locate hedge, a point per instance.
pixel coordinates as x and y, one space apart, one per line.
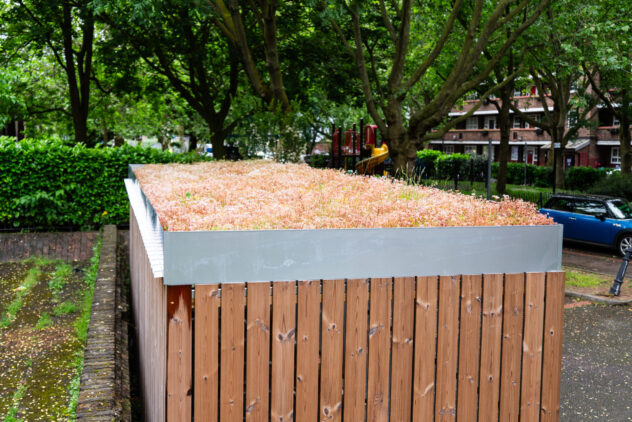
582 178
49 183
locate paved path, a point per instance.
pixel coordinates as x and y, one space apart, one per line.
597 364
589 260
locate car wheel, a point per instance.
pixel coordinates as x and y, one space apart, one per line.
625 243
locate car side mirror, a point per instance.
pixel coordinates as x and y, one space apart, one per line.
601 217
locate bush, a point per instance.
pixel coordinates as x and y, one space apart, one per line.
543 176
46 183
428 163
450 166
582 178
615 184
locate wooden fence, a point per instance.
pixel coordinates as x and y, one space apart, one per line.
473 347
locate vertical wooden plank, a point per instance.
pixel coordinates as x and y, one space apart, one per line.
283 334
231 387
425 349
552 351
402 348
307 349
379 349
511 348
447 347
332 335
489 384
356 349
532 347
206 367
257 351
469 347
179 353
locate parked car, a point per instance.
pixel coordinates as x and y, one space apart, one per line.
591 219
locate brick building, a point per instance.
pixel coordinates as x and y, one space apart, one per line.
594 146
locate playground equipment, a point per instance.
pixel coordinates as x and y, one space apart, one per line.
360 151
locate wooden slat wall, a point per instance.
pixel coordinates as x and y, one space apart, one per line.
366 349
149 301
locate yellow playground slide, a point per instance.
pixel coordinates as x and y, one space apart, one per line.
378 156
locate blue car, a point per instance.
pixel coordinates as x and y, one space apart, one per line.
597 220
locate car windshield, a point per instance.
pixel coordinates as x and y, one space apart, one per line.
620 208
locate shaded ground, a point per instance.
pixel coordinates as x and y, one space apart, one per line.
39 354
597 364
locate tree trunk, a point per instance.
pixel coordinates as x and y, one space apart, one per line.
217 141
504 126
624 143
193 142
402 149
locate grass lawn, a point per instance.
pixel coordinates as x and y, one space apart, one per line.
44 313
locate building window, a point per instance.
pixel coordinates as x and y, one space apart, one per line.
448 149
615 156
485 151
572 119
514 153
469 149
615 121
490 122
471 123
516 122
517 93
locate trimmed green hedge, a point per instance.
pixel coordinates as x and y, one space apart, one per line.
47 183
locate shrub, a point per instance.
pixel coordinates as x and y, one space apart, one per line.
543 176
427 162
582 178
615 184
450 166
47 182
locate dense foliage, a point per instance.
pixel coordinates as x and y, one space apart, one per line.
615 184
46 183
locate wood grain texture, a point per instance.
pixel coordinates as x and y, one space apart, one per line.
447 347
206 366
356 350
469 347
149 301
552 351
425 348
179 353
491 333
402 348
307 350
511 348
532 346
231 388
332 338
257 351
379 349
283 337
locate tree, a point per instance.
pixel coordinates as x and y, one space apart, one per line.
555 68
65 29
177 39
608 66
422 40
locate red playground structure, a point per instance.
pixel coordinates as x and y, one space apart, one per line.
358 151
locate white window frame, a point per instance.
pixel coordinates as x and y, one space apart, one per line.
515 124
469 149
489 120
471 123
448 149
615 121
615 155
517 93
485 150
514 153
